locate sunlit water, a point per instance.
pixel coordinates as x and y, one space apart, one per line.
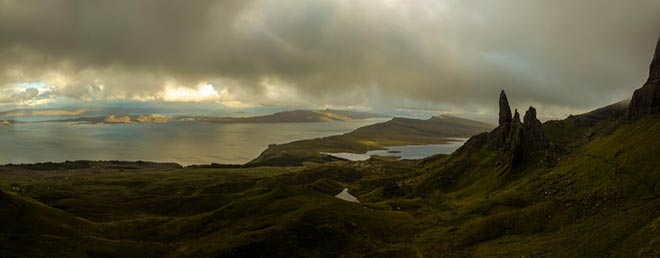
406 152
182 142
346 196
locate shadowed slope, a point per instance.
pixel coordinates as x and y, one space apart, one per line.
33 229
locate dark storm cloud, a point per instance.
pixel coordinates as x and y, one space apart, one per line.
562 55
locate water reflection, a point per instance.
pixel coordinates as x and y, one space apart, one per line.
182 142
406 152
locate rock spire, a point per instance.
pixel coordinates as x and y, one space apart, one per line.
518 140
514 140
516 116
505 109
533 136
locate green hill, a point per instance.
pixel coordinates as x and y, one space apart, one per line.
32 229
396 132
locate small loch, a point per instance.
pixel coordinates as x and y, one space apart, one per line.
405 152
346 196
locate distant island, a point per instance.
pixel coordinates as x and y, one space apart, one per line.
8 122
296 116
26 112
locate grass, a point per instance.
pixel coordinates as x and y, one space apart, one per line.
204 212
601 199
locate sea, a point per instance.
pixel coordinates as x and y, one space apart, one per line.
186 143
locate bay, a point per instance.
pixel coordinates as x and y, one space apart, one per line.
185 143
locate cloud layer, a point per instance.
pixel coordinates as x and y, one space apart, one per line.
442 54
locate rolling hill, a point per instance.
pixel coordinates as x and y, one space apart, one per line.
396 132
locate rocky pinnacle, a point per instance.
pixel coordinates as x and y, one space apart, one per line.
516 116
505 109
515 140
530 116
534 137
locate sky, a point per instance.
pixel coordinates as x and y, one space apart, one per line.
454 56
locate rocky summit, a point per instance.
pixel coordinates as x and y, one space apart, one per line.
646 100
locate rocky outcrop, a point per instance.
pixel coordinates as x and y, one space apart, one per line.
516 117
646 100
534 137
515 139
505 109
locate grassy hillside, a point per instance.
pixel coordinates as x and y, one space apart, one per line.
32 229
396 132
600 197
600 200
260 212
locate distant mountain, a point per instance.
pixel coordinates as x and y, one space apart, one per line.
42 112
396 132
8 122
120 119
354 114
296 116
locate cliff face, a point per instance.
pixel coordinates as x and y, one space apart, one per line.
646 100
